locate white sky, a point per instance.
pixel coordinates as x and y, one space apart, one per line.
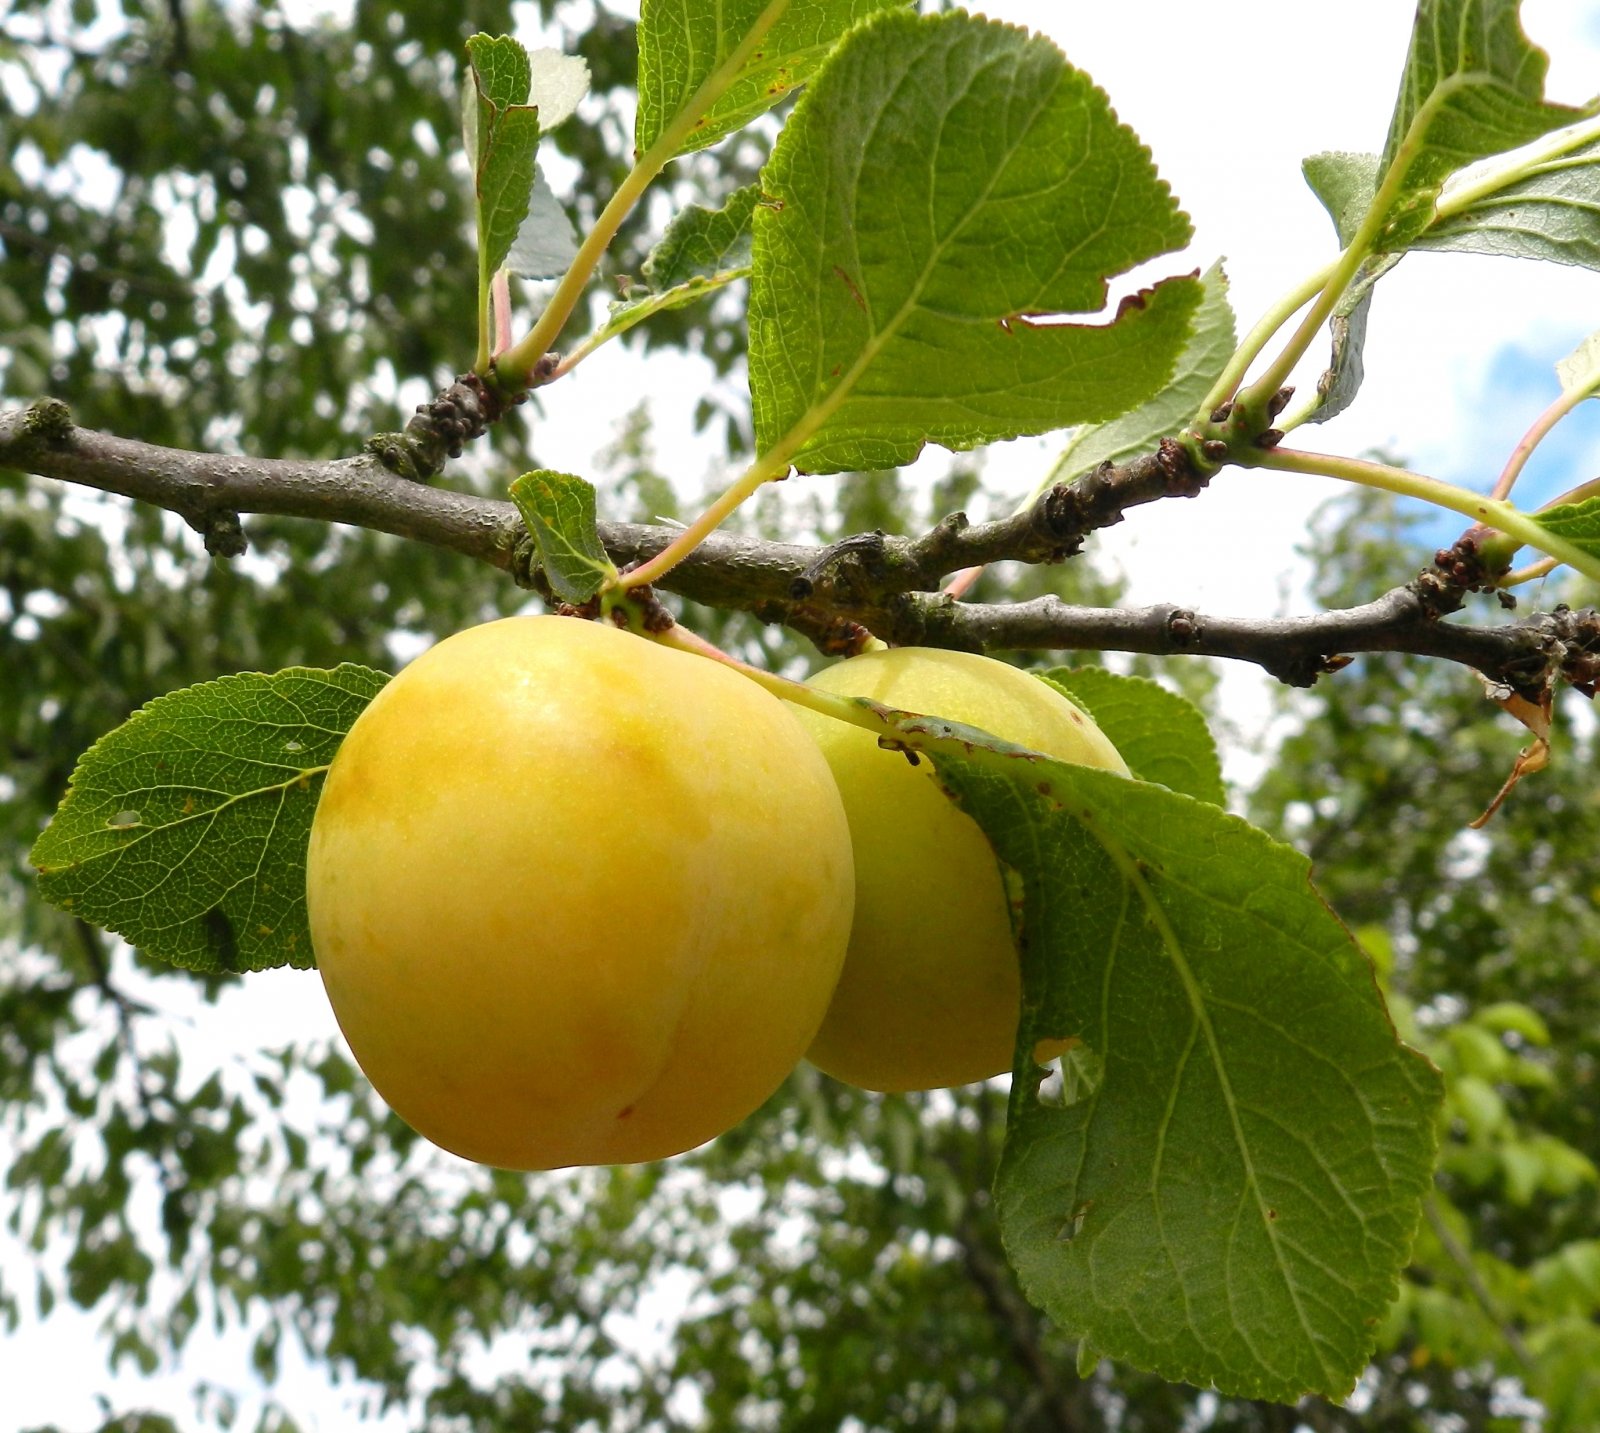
1298 78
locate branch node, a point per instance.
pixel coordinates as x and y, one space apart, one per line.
864 546
1458 570
222 533
1181 479
524 567
48 421
396 453
1183 627
441 428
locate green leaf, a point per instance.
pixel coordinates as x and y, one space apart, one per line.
1473 86
945 183
1340 381
1513 1015
1345 184
683 43
1161 735
1548 208
1234 1200
559 510
184 830
702 251
1577 523
1551 213
502 137
1199 366
703 243
545 245
501 73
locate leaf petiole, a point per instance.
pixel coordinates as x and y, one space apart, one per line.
515 366
1259 336
1491 512
1477 182
1538 431
1343 269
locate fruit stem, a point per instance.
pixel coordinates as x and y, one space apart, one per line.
845 709
894 728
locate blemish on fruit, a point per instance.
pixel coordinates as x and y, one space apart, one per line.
623 1113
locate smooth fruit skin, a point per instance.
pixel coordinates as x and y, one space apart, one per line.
576 898
931 990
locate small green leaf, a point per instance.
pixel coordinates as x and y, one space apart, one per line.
1199 365
1338 384
1161 735
1234 1200
559 510
501 72
502 138
1345 184
945 184
703 243
1473 86
682 43
703 250
185 829
505 184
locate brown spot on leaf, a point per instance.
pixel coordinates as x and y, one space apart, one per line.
850 284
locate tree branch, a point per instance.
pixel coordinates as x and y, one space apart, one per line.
888 585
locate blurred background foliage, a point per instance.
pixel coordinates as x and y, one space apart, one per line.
231 226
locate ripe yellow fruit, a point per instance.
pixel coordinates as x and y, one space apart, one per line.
931 991
576 898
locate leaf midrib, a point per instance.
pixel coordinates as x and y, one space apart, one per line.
818 414
1135 877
